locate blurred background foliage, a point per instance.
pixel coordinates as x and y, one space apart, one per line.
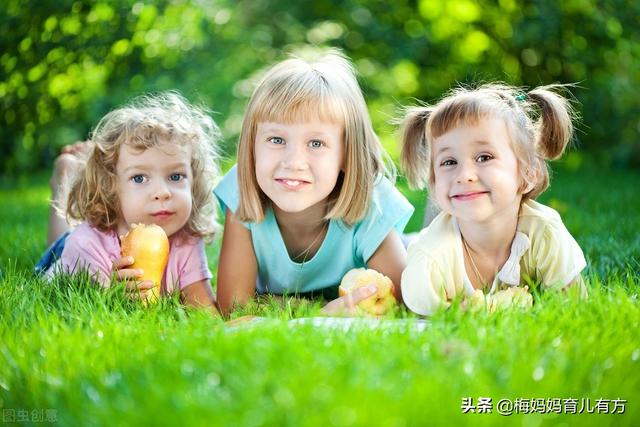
63 64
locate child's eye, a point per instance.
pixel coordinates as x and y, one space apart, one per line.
176 176
139 179
484 158
316 143
276 140
448 162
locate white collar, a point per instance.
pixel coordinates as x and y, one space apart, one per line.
510 272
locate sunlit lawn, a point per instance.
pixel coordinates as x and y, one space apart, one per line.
86 357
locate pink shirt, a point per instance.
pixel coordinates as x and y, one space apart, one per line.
90 248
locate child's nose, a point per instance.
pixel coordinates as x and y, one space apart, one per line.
161 191
466 173
294 158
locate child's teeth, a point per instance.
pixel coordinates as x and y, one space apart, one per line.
293 183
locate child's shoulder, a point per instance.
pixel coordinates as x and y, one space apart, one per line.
544 228
555 257
537 219
185 240
389 208
90 246
536 210
85 232
88 240
384 186
386 197
439 239
227 190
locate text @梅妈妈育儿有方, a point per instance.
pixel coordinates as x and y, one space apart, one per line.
506 407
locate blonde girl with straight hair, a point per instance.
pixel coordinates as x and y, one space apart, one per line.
152 161
310 197
483 153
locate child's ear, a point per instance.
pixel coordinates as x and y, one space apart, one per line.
526 186
528 179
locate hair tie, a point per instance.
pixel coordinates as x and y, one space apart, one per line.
521 97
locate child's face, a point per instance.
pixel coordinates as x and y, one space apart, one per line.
154 186
297 165
476 172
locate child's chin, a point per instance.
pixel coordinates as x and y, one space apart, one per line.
471 217
169 228
293 208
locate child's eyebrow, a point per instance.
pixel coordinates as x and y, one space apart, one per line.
476 142
271 127
166 166
442 150
177 165
482 142
135 168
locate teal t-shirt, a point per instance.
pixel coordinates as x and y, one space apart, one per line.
343 247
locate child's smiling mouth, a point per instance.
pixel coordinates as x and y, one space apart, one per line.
470 195
292 184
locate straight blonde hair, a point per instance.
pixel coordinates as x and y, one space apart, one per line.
147 121
297 91
539 124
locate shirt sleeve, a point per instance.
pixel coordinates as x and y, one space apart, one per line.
228 194
423 284
191 266
227 191
83 252
560 259
389 210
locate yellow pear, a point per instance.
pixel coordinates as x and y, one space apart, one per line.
149 247
378 303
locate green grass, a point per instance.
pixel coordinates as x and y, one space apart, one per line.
95 358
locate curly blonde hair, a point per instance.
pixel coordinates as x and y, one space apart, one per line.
297 90
147 121
539 124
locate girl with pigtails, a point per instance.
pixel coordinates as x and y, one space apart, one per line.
482 154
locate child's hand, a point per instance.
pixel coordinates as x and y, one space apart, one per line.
501 300
510 297
346 305
135 289
475 302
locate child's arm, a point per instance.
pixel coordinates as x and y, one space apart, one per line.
390 259
199 295
237 267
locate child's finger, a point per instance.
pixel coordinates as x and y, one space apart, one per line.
129 274
139 288
131 286
348 301
138 295
121 262
361 294
347 305
145 285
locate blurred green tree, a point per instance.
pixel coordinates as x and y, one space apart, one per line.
66 63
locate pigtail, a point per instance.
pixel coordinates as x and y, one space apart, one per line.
414 156
554 128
